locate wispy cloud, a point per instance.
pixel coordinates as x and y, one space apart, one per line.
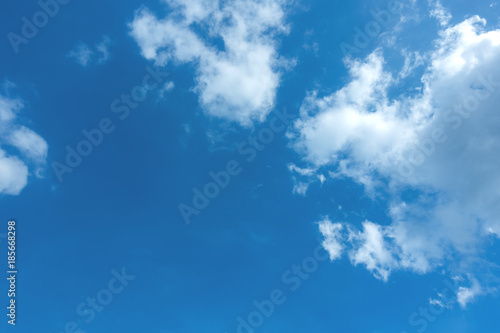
440 13
85 55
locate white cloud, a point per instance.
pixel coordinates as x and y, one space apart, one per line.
413 60
321 178
378 248
84 55
467 295
13 174
167 87
437 302
29 143
236 80
8 110
441 14
20 147
371 249
441 141
300 188
81 53
301 171
333 243
103 49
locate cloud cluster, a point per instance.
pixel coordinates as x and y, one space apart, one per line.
440 142
382 250
379 248
19 147
231 44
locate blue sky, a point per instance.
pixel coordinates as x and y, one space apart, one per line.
356 144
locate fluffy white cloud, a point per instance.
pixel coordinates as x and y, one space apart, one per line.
372 250
231 43
19 147
440 140
13 174
333 242
29 143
